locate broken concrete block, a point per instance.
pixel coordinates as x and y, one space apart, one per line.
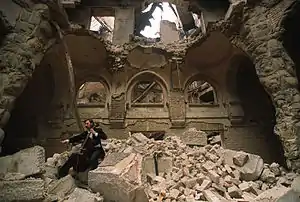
235 192
245 186
12 176
22 190
296 184
291 195
194 137
208 165
251 170
205 185
271 194
240 159
113 158
267 176
190 183
140 138
83 195
121 182
211 197
214 176
174 193
248 196
28 162
62 187
275 168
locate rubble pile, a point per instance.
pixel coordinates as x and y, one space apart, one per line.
208 173
141 170
24 176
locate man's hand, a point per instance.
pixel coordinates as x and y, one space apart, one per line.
65 141
93 131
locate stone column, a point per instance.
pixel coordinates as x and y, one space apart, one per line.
117 111
124 25
177 107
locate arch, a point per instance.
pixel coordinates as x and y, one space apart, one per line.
27 116
259 111
201 77
92 93
93 78
146 76
243 61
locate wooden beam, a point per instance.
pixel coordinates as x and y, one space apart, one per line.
206 91
146 91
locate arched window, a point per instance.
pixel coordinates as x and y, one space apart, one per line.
147 92
92 93
201 92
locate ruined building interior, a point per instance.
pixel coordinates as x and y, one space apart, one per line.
226 67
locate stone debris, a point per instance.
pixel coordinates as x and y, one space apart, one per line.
29 162
121 182
25 176
205 173
194 137
163 170
22 190
83 195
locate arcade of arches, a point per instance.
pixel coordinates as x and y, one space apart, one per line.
211 85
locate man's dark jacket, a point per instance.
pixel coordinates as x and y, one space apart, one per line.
91 144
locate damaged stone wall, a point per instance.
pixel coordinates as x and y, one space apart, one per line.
260 38
245 33
29 36
206 57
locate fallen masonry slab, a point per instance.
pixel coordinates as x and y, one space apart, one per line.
251 170
194 137
120 183
240 159
272 194
83 195
291 195
62 187
113 158
28 162
22 190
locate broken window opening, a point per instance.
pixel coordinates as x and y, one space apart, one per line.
92 93
104 26
149 22
149 92
201 92
209 12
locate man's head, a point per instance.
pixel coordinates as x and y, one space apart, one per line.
89 123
